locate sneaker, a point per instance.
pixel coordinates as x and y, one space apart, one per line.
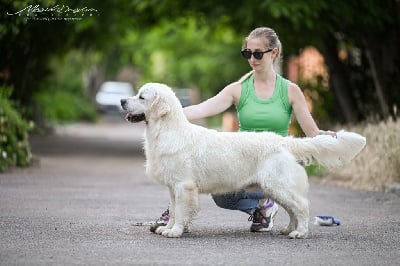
161 221
263 217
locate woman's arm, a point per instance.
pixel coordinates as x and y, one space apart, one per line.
303 116
216 104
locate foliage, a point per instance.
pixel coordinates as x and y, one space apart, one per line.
315 170
356 38
29 39
62 106
192 54
63 96
14 146
196 42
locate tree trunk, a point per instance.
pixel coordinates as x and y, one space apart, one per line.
339 81
377 84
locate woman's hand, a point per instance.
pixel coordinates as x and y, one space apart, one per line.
327 132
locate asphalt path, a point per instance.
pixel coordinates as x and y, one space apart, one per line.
87 201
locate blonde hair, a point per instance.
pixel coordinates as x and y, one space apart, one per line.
271 40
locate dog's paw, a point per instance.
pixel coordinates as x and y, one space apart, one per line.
297 234
160 229
173 232
286 231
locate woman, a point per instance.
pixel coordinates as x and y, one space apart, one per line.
264 101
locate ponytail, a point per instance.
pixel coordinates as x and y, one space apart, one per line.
246 76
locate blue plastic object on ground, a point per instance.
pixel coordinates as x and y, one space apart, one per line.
326 220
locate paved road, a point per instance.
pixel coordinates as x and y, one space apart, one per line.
81 205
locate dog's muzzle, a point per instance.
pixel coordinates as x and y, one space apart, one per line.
123 103
133 118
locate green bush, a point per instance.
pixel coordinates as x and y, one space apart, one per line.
14 145
62 96
59 106
315 170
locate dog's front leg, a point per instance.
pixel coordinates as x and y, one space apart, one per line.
186 205
171 220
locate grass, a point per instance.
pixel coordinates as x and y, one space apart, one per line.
378 164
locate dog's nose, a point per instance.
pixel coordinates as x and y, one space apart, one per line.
123 102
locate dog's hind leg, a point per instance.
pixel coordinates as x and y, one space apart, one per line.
292 223
301 216
186 205
298 210
288 187
293 200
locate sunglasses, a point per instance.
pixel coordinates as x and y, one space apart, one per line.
246 53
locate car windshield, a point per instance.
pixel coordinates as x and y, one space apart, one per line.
117 89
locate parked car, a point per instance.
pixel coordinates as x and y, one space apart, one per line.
110 93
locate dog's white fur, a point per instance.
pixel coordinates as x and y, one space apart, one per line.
190 159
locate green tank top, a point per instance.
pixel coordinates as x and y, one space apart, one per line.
258 114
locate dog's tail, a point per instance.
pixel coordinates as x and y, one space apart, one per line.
326 150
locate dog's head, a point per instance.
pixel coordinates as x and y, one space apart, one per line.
152 102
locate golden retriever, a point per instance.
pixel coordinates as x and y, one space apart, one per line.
190 159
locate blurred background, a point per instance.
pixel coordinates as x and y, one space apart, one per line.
64 61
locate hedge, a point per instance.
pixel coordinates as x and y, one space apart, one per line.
14 145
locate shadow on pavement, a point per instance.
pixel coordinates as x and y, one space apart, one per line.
106 138
73 146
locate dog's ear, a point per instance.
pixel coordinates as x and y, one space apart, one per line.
160 107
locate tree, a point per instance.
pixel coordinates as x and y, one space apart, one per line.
359 39
367 31
31 34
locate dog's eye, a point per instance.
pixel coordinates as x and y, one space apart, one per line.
141 97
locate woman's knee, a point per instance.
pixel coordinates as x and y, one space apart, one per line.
222 201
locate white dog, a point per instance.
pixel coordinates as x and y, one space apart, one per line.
190 159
